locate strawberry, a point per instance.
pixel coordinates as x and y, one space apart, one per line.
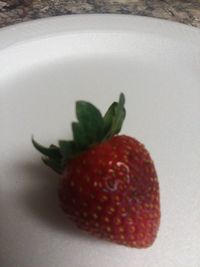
108 183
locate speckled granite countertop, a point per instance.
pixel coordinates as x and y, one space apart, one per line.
14 11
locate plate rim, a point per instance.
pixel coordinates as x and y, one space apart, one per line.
34 29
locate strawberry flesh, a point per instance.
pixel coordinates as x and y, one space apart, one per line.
111 190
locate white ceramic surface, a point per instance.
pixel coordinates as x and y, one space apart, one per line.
48 64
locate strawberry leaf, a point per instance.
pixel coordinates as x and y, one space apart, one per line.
120 114
114 118
91 121
52 152
108 118
53 157
55 165
79 135
68 149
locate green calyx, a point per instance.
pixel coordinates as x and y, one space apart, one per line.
91 128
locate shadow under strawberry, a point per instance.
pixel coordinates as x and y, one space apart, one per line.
41 202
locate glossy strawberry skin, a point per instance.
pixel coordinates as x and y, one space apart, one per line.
112 191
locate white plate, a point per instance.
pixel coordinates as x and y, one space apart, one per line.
48 64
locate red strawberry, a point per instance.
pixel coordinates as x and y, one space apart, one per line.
108 184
